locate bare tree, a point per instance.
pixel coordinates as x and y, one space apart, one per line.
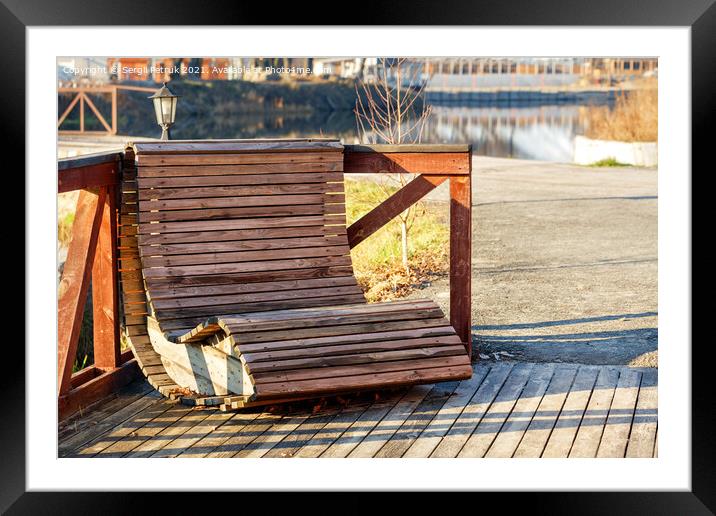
392 110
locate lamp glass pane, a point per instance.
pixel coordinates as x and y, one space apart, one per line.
167 109
174 109
158 109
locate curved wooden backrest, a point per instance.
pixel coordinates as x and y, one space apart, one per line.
230 227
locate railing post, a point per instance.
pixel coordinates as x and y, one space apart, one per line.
72 291
104 288
460 257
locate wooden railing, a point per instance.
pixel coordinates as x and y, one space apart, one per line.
432 166
91 259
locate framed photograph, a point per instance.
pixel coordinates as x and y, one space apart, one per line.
399 241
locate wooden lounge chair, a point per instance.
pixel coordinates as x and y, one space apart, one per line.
237 279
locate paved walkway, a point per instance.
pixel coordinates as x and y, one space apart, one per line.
507 409
564 265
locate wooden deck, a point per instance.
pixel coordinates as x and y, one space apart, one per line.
507 409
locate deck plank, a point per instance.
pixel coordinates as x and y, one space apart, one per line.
505 409
334 429
642 438
473 413
387 427
414 425
621 414
194 434
424 445
368 420
590 429
490 425
562 437
245 435
540 428
511 433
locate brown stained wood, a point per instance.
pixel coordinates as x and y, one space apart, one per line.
318 373
222 225
391 208
88 177
343 329
430 332
95 389
291 163
74 285
226 213
364 381
243 288
239 245
239 180
184 305
346 349
233 202
188 150
350 359
216 258
401 314
328 271
445 163
461 258
105 297
201 238
147 194
232 268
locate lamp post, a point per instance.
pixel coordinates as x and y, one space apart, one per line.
165 108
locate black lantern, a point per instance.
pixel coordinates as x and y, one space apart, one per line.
165 109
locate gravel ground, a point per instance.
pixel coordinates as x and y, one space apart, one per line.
564 264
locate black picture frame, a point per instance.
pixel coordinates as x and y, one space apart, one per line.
699 15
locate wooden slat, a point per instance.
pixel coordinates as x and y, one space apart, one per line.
473 412
642 437
501 408
364 381
347 349
621 415
586 442
254 236
562 436
446 416
350 359
295 164
147 194
512 431
238 180
441 163
242 288
386 428
186 149
330 432
216 258
88 177
414 425
233 213
338 330
320 373
231 202
234 268
223 225
74 285
540 428
391 208
436 331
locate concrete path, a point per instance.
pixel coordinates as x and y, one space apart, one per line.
564 262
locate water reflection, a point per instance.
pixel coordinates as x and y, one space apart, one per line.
539 132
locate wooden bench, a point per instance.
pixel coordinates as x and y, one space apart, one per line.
237 278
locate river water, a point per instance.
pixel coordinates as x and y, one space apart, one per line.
537 132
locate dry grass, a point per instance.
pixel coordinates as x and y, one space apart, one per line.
634 118
377 261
